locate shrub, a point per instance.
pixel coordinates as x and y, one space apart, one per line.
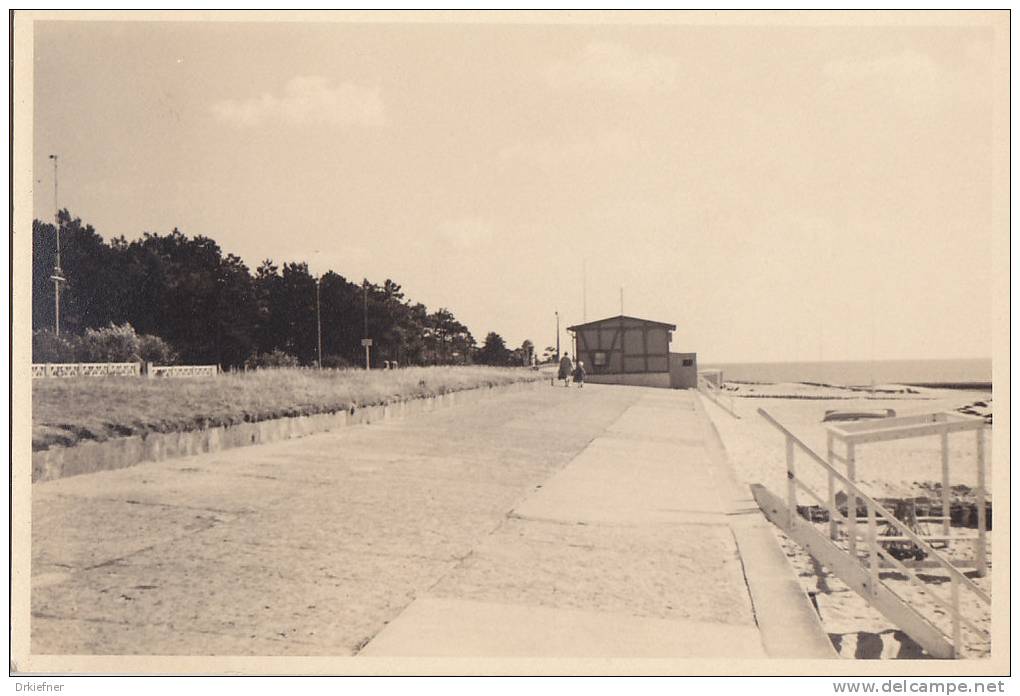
47 347
275 359
155 350
110 344
335 361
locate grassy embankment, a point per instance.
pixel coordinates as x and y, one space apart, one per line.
66 411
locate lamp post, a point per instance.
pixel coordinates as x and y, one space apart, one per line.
318 318
366 341
557 336
58 274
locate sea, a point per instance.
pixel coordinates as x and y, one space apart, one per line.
973 373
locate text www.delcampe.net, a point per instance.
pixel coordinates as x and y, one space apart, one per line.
909 686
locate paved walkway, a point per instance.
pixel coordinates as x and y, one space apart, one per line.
550 522
625 552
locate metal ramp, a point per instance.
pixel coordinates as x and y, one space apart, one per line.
858 559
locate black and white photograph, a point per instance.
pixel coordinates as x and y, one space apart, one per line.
510 342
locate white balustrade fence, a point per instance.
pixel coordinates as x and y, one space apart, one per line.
41 370
184 370
85 370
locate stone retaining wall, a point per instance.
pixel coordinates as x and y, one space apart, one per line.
90 456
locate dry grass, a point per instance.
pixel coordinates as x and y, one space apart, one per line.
66 411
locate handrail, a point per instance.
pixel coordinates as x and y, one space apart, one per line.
880 509
899 565
876 552
941 601
712 392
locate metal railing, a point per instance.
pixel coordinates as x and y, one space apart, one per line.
875 553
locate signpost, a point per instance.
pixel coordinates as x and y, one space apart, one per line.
367 342
557 335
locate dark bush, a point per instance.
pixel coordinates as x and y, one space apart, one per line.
276 358
335 361
110 344
155 350
47 347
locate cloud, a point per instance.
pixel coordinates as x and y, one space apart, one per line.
307 101
907 66
612 66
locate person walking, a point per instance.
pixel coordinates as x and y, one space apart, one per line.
579 374
566 367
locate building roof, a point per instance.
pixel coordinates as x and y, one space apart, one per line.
612 320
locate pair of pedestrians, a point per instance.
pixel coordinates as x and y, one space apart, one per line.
567 370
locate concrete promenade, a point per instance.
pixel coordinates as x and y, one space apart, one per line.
595 522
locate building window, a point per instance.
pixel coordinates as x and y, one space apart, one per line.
599 358
688 362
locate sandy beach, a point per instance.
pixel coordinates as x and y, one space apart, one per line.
899 469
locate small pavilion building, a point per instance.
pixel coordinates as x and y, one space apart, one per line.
629 350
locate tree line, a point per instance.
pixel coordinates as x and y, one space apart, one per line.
209 307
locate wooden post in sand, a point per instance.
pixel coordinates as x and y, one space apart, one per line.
946 503
851 501
791 482
955 602
979 500
833 510
873 548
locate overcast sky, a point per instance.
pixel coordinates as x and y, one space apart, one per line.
777 193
